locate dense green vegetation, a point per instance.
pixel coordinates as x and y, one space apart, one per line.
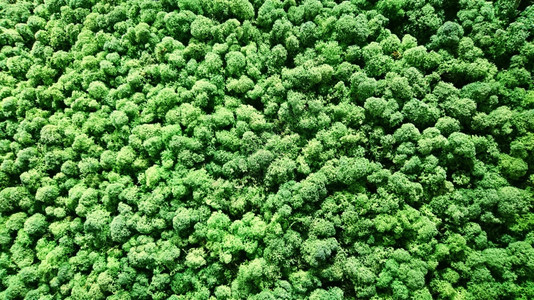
250 149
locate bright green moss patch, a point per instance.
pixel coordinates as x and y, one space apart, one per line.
250 149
